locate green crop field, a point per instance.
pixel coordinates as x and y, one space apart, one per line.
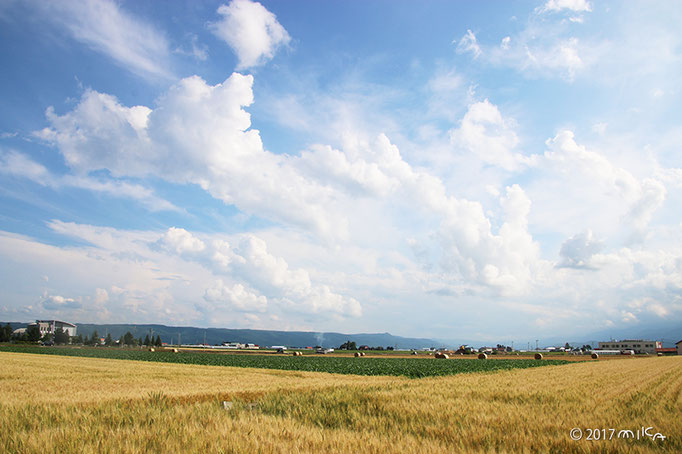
408 367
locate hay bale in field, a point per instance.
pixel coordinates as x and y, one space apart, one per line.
414 353
595 356
538 356
442 356
357 354
659 354
151 349
175 350
363 353
482 356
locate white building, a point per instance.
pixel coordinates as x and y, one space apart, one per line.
235 345
50 326
639 346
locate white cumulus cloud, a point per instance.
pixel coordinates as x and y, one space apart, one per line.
577 251
197 134
484 132
251 31
235 297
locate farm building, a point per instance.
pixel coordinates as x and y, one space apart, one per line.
679 347
50 326
639 346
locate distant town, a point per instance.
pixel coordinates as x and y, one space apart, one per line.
57 332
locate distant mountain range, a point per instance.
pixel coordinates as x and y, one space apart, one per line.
668 333
213 336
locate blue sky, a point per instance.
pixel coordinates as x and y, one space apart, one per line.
493 171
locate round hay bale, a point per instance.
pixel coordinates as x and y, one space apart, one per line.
595 356
414 353
482 356
442 356
151 349
175 350
357 354
538 356
659 354
363 353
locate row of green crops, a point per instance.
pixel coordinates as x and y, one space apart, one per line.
409 367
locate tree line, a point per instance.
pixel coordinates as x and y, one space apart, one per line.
61 337
351 345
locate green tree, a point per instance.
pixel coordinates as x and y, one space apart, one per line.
128 339
158 342
139 341
94 339
146 340
47 337
61 336
109 340
348 345
6 333
33 333
78 339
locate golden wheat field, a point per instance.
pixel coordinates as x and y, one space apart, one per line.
74 405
